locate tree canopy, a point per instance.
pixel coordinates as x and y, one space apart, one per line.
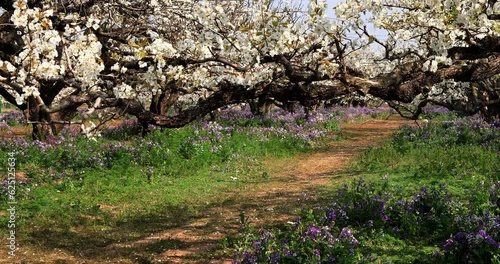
146 57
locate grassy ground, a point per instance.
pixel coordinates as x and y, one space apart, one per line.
84 208
84 199
176 194
428 196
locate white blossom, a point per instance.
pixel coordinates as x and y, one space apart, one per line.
195 46
124 91
30 91
142 64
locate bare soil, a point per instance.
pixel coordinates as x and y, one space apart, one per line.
293 183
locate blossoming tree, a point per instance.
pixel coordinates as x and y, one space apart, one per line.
144 57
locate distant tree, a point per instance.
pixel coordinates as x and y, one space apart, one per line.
60 60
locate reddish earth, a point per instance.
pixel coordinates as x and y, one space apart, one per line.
293 183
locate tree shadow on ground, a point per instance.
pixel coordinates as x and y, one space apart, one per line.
129 241
126 240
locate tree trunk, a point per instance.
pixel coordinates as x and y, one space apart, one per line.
43 123
162 102
310 107
260 106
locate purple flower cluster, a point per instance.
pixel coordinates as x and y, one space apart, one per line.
312 233
462 239
77 153
278 114
314 243
363 208
4 126
277 124
13 118
212 136
282 124
22 186
471 131
71 131
438 113
473 247
353 113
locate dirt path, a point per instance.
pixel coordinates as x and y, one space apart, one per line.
293 184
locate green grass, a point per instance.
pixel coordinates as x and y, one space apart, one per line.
423 163
467 169
458 166
425 188
172 176
83 195
178 180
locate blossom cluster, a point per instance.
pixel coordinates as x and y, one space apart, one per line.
196 47
444 23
